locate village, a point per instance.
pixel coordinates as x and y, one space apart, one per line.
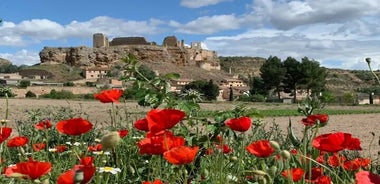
96 74
97 61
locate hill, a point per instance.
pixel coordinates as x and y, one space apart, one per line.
59 72
339 81
4 62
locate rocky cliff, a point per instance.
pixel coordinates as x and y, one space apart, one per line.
89 57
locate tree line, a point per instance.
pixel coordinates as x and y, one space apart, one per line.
289 76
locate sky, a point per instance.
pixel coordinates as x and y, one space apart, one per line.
338 33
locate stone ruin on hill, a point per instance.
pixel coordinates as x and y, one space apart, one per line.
105 53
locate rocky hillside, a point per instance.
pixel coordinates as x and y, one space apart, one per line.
158 58
338 81
4 62
91 57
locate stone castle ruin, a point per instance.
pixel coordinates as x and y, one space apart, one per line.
104 53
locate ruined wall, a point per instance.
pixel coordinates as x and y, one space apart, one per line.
128 41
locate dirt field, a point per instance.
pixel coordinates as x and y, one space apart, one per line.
359 125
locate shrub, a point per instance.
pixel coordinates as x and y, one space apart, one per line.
30 94
68 84
24 83
90 84
63 94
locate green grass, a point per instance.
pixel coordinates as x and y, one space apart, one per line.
294 112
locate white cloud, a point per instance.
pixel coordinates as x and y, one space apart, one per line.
208 25
293 13
200 3
38 30
336 33
22 57
321 45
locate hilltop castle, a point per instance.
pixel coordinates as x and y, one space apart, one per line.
104 53
194 54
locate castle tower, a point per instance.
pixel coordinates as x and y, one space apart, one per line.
196 46
99 40
170 41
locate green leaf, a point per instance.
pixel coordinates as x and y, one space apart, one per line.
294 140
172 76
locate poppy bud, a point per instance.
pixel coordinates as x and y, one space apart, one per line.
46 181
79 176
275 145
110 140
234 158
285 154
368 60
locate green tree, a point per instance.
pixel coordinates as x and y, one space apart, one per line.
293 76
257 86
9 68
314 76
208 89
272 73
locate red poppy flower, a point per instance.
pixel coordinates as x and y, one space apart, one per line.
5 132
336 160
316 172
356 164
293 151
159 120
17 141
334 142
322 180
157 144
38 146
86 166
44 124
122 133
261 148
60 148
209 151
181 155
365 177
97 147
296 174
157 181
225 148
312 119
241 124
109 96
141 124
75 126
31 169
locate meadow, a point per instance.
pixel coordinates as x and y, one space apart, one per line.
63 141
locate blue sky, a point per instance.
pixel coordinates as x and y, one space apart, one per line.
338 34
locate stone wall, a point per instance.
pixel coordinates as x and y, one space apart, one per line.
39 90
128 41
